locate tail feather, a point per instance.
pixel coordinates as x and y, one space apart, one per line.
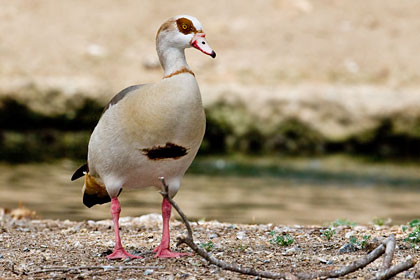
94 192
82 170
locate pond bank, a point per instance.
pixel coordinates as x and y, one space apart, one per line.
43 123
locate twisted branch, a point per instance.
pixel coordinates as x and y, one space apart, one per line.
394 270
387 247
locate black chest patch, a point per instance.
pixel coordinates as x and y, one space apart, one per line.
169 151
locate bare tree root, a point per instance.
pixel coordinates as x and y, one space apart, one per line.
394 270
389 252
189 240
387 247
358 264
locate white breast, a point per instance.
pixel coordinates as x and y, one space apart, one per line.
169 111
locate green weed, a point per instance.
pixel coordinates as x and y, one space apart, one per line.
281 239
343 222
379 221
413 231
242 248
360 243
328 233
209 246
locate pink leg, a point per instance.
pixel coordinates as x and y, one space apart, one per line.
119 252
163 251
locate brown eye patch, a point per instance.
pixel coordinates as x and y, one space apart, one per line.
185 26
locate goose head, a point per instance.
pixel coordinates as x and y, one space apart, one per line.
177 34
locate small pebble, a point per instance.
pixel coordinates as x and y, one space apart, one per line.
321 260
26 249
213 235
362 228
148 272
240 235
347 248
77 244
349 234
290 251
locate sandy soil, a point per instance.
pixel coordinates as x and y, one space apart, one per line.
261 42
29 247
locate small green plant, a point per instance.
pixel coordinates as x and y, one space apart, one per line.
209 246
343 222
328 233
360 243
414 234
242 248
414 223
379 221
365 240
281 239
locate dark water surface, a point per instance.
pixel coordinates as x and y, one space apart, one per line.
296 191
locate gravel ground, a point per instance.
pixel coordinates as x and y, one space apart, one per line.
29 246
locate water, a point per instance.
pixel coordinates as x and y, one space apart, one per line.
288 191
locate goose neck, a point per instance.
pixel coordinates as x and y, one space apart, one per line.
172 60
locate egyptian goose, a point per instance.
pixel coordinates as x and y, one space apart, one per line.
149 131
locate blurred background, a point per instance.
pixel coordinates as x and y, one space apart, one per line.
313 107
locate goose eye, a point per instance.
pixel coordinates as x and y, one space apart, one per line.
185 26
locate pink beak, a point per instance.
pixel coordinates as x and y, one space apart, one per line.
199 42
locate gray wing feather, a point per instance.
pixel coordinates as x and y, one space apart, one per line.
119 96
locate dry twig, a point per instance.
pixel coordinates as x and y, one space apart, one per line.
11 267
389 252
189 240
387 247
394 270
358 264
